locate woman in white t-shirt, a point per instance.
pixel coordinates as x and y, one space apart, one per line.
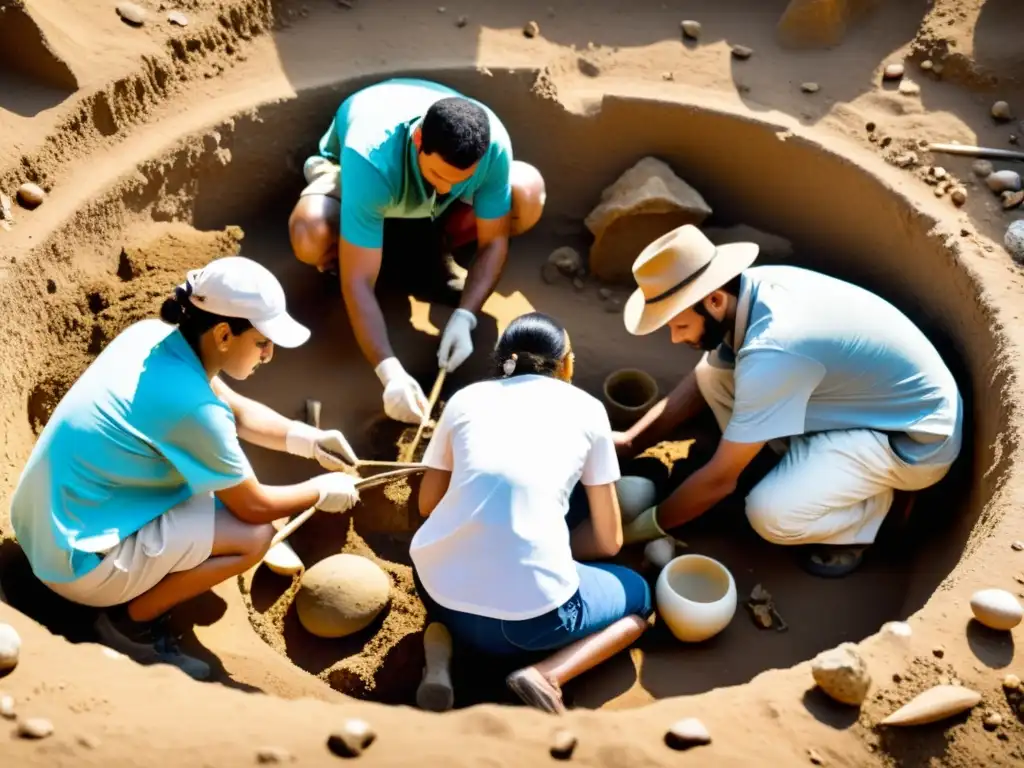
497 559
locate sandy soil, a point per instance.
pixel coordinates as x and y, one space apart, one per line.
163 146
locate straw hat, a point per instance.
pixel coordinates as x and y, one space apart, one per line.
676 271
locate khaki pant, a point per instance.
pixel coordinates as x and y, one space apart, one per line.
832 487
179 540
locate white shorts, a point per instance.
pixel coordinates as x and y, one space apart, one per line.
179 540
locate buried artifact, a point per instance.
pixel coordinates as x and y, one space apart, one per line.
341 595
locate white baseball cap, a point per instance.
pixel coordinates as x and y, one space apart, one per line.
235 286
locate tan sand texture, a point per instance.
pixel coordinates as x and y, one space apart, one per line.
162 146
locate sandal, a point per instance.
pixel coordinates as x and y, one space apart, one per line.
830 562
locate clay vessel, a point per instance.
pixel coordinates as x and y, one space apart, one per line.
935 704
696 597
628 394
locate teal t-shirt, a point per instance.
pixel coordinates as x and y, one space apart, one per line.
371 139
138 433
817 353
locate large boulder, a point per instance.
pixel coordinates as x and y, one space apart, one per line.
643 204
341 595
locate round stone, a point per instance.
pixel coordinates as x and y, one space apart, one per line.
893 71
1011 682
563 744
341 594
1003 181
10 647
132 13
30 195
35 728
996 608
686 733
842 673
352 738
1014 242
691 29
1001 111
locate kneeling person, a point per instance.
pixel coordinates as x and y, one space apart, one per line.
866 403
412 149
137 495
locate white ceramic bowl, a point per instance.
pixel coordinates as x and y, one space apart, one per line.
696 597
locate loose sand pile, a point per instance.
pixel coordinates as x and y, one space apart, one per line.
158 145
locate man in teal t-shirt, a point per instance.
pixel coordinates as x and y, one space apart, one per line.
412 149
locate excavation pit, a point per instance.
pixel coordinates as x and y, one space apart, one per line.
877 239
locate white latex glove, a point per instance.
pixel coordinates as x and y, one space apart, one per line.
403 397
457 340
309 442
338 492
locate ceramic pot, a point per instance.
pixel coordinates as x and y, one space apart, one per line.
696 597
628 394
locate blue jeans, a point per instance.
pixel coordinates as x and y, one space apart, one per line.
607 593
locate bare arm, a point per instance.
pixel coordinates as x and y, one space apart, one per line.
257 423
433 487
252 502
359 269
599 536
492 251
682 404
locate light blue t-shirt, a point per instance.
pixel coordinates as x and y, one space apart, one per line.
371 138
140 432
816 353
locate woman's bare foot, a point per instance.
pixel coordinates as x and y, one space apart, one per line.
536 690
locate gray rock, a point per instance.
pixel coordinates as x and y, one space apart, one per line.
691 29
10 647
1014 242
742 52
810 87
982 168
132 13
1001 111
567 261
1003 181
842 673
686 733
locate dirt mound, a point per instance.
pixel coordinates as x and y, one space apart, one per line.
25 49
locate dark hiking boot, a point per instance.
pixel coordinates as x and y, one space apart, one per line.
147 642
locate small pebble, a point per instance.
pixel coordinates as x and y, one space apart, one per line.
686 733
10 647
273 756
815 758
35 728
1013 138
178 18
927 65
938 172
605 293
668 76
532 29
982 168
1003 181
130 13
810 87
691 29
563 744
959 196
461 21
441 9
7 706
578 284
909 88
897 677
1014 242
938 652
906 159
88 741
30 195
1011 683
1012 199
742 52
893 71
1001 111
352 739
1017 546
993 721
870 127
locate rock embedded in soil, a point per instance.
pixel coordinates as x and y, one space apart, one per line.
843 674
645 202
959 196
937 703
815 758
996 609
273 756
982 168
1001 111
909 88
563 744
893 71
1003 181
30 195
992 721
341 595
35 728
131 13
742 52
532 29
1011 682
352 739
1017 546
10 647
686 733
691 29
567 261
178 18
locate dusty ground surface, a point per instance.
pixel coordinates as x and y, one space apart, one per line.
136 134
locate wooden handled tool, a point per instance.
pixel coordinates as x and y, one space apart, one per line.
410 451
366 482
973 151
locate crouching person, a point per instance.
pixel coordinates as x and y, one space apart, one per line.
137 495
498 561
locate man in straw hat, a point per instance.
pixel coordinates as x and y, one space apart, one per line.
860 395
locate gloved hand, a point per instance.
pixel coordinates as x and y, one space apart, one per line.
643 528
457 340
403 397
309 442
338 492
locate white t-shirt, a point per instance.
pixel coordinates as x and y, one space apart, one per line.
497 543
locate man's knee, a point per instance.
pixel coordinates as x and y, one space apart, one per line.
257 541
771 519
529 195
311 235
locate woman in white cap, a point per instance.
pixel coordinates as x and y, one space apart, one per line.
137 495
